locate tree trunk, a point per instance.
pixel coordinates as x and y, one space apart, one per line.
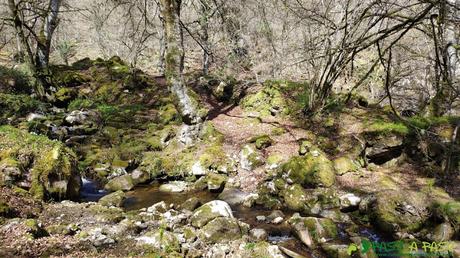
204 35
174 60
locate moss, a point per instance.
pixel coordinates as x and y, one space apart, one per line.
294 197
214 158
344 165
80 103
17 106
54 172
5 210
168 114
262 141
82 64
269 101
64 96
449 210
210 134
278 131
69 78
274 161
313 169
385 127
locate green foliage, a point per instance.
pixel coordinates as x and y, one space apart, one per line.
427 122
80 103
15 80
18 105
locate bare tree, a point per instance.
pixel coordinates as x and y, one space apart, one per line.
174 59
35 23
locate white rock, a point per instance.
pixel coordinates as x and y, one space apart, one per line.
349 200
198 170
174 187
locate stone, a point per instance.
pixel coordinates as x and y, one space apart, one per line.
324 229
99 238
400 211
314 169
261 218
221 229
159 207
113 199
277 220
190 204
174 187
209 211
124 183
344 165
349 200
258 234
249 158
336 250
216 182
233 196
160 240
198 170
140 176
443 232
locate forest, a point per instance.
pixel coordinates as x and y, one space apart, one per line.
245 128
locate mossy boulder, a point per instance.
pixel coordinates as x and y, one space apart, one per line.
216 182
15 106
250 158
344 165
400 211
319 230
47 168
69 78
221 230
262 141
267 102
113 199
295 197
168 114
5 209
210 211
314 169
124 183
161 240
64 96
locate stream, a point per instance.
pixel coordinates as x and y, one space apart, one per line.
280 234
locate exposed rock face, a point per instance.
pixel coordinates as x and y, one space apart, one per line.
46 168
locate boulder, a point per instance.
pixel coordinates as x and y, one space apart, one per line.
258 234
250 158
314 169
47 168
312 230
216 182
124 183
113 199
400 211
174 187
349 200
160 240
233 196
344 165
209 211
221 229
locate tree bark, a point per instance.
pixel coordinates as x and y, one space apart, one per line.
174 60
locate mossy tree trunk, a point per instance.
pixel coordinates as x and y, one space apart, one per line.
174 60
446 45
37 57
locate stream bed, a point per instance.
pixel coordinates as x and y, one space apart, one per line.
280 234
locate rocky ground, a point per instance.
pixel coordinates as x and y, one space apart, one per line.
261 179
